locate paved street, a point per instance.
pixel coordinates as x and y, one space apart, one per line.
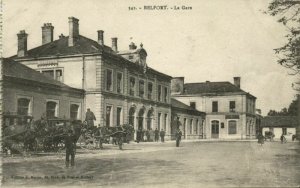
195 164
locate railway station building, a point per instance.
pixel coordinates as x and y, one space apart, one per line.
230 111
119 86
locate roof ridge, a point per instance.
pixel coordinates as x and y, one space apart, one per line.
33 72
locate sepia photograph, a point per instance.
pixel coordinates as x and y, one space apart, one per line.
158 94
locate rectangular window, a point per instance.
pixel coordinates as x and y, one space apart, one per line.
54 74
58 75
231 127
132 86
141 88
119 82
193 105
165 122
166 94
196 126
150 89
48 73
119 116
109 80
74 111
159 93
215 106
23 106
191 126
231 106
158 121
108 116
284 131
51 109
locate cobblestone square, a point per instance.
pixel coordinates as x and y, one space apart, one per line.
194 164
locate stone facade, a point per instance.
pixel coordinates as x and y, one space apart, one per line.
229 115
190 121
118 89
29 93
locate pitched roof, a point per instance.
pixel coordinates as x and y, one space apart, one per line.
279 121
212 88
83 45
60 47
177 104
17 70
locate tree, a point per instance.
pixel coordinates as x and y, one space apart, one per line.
288 13
292 110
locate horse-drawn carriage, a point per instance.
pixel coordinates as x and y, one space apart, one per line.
21 134
94 137
269 135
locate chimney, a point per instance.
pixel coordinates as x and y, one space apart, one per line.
237 81
47 33
73 31
22 43
61 36
177 85
132 46
114 45
258 111
100 37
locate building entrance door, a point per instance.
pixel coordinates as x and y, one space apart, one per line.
140 124
215 129
141 118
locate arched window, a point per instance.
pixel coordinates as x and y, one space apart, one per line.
74 111
51 109
23 106
149 119
232 127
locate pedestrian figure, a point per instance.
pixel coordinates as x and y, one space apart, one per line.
293 137
70 144
156 134
151 132
144 135
138 135
148 135
162 135
89 118
261 139
178 135
282 139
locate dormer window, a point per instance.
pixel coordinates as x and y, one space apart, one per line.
130 57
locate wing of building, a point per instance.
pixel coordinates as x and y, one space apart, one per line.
29 94
280 125
188 119
230 111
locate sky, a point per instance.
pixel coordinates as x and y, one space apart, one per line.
215 41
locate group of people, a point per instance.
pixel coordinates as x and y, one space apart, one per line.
261 139
142 135
150 135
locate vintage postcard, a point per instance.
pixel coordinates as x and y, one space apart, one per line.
159 93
